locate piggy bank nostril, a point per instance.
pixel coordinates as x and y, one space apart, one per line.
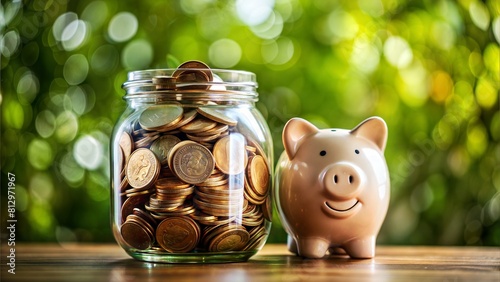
335 178
350 179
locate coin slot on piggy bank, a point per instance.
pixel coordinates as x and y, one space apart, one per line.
332 187
191 166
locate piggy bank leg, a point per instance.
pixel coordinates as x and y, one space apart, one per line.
292 245
312 247
361 248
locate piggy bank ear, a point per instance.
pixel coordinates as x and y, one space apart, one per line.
294 133
373 129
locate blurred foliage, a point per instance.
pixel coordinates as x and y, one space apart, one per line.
429 68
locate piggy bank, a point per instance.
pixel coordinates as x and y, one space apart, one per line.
332 188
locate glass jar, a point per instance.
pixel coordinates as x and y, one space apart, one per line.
191 166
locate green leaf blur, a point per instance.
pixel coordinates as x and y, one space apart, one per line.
431 69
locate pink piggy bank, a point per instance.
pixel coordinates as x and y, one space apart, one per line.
333 188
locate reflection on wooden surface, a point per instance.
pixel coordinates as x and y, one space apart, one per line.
82 262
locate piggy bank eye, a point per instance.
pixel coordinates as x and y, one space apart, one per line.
356 151
322 153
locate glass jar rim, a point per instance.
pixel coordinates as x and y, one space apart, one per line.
223 84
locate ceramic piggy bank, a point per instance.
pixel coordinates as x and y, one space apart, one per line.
332 187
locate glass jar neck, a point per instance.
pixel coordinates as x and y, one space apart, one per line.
225 87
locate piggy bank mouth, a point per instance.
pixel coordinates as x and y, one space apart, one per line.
342 208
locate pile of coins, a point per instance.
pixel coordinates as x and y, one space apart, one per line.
191 180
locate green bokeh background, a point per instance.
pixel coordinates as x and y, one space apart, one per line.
431 69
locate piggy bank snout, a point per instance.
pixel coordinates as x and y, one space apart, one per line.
343 181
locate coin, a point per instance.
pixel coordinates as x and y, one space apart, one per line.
217 130
230 240
126 144
131 203
157 116
135 235
178 234
186 118
193 73
162 146
146 216
230 154
143 168
192 162
267 209
198 125
164 82
216 115
258 174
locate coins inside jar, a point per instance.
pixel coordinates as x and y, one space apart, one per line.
192 180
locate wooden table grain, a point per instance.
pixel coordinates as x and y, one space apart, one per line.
108 262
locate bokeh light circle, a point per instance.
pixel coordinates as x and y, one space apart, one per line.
122 27
224 53
138 54
88 152
40 154
76 69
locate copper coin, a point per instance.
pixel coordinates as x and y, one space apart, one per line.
143 168
164 82
216 115
162 146
131 203
192 162
186 118
267 209
135 235
171 183
230 240
198 125
157 116
258 174
194 72
230 154
178 234
126 144
217 130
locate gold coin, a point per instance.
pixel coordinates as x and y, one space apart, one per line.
258 175
126 145
198 125
216 115
143 168
230 155
162 146
192 162
157 116
178 234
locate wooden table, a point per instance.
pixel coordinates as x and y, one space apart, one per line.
85 262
